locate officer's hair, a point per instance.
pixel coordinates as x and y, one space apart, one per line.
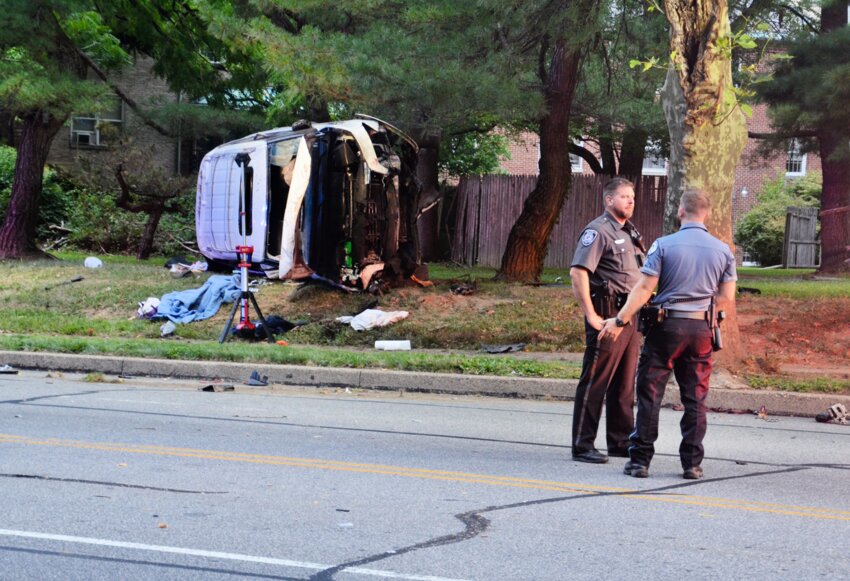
610 188
695 203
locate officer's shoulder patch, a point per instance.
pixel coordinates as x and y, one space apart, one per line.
589 237
652 248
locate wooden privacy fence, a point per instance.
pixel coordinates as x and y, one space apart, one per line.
801 248
488 206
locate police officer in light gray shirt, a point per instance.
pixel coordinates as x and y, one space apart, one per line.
692 269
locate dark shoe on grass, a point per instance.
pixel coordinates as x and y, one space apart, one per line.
636 470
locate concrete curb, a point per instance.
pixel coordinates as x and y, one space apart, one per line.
776 402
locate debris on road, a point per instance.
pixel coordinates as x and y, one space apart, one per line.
257 380
216 388
8 370
836 413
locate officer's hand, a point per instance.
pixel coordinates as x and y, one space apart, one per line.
609 331
595 321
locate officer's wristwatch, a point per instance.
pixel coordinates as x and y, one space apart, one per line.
620 322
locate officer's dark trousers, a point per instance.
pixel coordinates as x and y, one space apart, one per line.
684 347
607 374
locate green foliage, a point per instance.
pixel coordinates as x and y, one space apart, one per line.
54 199
761 231
798 104
473 154
97 225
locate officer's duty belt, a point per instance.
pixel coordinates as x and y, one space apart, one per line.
697 315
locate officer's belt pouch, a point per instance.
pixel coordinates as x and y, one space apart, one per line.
648 317
602 304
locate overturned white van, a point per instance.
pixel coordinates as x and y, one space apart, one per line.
336 200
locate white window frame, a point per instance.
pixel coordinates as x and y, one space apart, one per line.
93 137
577 167
648 153
655 170
794 148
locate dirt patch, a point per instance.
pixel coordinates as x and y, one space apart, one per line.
799 338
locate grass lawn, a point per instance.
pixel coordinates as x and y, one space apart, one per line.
44 311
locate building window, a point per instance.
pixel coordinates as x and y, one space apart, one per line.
653 162
795 163
654 166
96 129
576 162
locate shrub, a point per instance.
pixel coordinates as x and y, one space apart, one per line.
762 230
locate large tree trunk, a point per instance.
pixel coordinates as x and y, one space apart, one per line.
835 205
427 172
632 152
528 241
38 128
707 128
835 165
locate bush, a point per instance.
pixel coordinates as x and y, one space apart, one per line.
83 218
762 230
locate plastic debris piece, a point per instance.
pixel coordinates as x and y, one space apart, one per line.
92 262
8 370
371 318
393 345
257 380
148 308
167 329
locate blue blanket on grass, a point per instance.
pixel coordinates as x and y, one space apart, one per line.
199 303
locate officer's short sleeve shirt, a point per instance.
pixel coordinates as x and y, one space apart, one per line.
690 265
606 250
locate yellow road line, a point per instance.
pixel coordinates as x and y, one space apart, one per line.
492 480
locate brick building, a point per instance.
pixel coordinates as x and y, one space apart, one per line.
754 169
88 134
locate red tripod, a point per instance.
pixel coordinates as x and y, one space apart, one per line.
245 328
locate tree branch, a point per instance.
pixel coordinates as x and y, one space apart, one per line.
587 156
790 135
124 198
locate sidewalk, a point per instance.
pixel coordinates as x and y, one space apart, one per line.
727 392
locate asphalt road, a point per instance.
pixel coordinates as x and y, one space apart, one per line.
157 480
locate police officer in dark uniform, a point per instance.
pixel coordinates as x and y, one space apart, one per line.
605 267
695 274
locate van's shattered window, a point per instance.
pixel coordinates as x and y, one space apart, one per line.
281 152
